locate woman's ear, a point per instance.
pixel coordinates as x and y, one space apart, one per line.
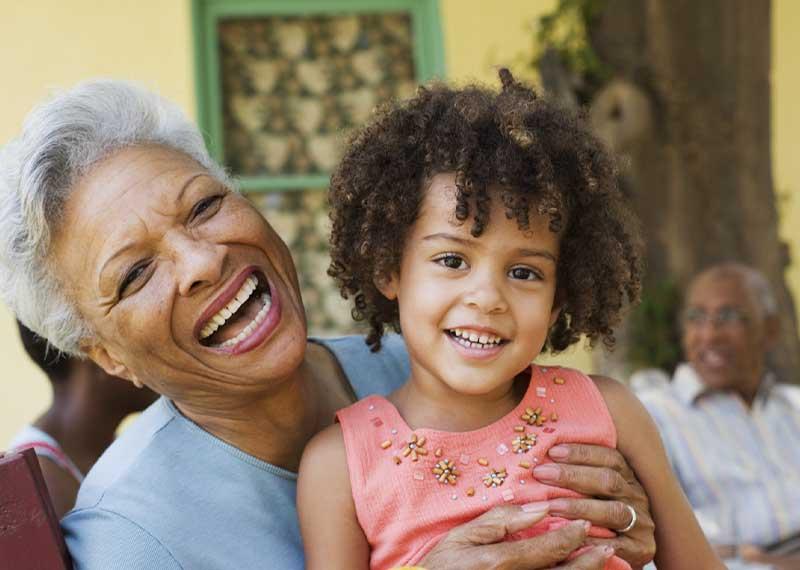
388 286
105 360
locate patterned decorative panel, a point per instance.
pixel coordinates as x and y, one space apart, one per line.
280 83
292 85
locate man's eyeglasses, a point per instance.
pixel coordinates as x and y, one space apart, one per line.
724 317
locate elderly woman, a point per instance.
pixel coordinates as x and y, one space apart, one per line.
122 240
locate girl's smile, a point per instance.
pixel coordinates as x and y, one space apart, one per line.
476 342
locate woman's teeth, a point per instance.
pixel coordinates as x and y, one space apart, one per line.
244 293
471 339
257 320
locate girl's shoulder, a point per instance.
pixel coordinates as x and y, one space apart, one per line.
324 449
615 393
636 430
576 383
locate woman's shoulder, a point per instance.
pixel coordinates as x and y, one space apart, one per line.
369 372
167 481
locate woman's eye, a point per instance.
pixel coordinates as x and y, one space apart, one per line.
523 273
451 261
206 207
131 277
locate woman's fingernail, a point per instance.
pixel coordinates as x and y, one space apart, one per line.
558 452
608 551
559 506
546 472
540 507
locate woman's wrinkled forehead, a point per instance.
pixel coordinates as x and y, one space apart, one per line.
149 173
118 202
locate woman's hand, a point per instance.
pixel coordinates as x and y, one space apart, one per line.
479 544
779 562
602 473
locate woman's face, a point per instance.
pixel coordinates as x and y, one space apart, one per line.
185 284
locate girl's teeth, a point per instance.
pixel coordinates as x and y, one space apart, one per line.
474 340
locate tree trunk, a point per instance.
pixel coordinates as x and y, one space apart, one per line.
689 112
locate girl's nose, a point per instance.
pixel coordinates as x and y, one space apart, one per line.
486 295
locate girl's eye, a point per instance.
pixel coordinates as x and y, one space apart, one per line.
206 207
131 277
451 261
523 273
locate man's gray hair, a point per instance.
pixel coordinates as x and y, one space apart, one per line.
60 141
752 278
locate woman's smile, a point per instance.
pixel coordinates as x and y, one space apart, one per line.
242 316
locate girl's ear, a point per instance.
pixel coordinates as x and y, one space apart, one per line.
558 304
388 286
554 312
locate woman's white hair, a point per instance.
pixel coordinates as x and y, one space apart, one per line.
60 141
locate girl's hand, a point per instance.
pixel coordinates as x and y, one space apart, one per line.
479 544
604 474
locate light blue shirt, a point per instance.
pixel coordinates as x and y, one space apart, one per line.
739 467
169 495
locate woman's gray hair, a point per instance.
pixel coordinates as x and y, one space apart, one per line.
60 141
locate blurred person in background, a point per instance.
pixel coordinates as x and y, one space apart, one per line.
730 427
87 407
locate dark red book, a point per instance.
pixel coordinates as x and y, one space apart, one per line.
30 537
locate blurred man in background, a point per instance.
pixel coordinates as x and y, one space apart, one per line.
731 429
88 406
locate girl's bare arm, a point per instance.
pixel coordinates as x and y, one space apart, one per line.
332 536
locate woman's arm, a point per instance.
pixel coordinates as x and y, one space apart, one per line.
680 541
332 537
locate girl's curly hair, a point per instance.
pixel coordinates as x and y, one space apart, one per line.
544 157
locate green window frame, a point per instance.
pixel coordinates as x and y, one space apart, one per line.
428 55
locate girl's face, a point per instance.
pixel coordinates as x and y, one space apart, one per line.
474 311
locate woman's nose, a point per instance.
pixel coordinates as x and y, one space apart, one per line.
197 262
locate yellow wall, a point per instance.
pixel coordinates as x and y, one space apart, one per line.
786 129
54 43
49 44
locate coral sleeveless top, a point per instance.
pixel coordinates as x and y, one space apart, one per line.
411 487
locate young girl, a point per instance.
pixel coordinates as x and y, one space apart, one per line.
486 227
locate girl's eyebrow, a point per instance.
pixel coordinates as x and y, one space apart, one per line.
522 252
